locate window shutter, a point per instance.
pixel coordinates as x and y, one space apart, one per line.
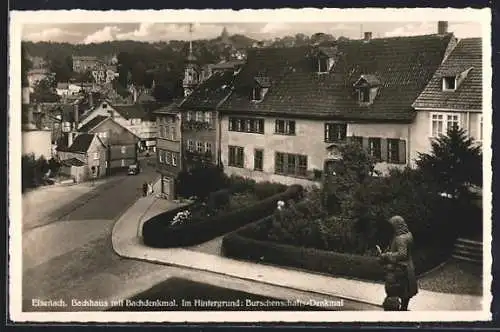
402 151
383 149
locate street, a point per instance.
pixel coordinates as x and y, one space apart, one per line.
72 257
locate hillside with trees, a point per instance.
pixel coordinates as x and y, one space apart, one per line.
141 63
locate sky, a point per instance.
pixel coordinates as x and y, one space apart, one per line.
85 33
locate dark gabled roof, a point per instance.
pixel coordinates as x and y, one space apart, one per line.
92 123
211 92
227 65
469 94
172 108
404 65
142 111
81 143
73 162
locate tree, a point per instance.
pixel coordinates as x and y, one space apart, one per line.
352 170
44 91
454 163
63 68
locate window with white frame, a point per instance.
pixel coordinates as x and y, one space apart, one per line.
123 162
442 122
189 116
190 145
174 159
173 133
199 116
96 155
168 157
208 147
208 117
199 146
160 156
124 149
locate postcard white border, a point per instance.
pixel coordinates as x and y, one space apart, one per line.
17 19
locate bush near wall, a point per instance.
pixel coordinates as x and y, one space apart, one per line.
157 231
242 245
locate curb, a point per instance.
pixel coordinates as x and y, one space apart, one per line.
122 254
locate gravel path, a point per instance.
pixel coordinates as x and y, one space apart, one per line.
455 277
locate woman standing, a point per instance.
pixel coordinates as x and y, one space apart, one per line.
400 253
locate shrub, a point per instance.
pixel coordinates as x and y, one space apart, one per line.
266 189
157 232
200 181
33 171
219 199
241 184
243 245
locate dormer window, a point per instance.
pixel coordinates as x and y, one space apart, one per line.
259 93
449 83
364 95
260 89
325 64
452 79
366 89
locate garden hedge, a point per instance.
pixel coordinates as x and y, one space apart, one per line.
158 233
241 245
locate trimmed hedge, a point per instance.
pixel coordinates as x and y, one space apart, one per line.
240 245
157 231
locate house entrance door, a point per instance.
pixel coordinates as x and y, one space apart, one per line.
166 187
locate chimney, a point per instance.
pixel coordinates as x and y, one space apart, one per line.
70 138
26 95
135 95
368 36
76 115
91 99
442 27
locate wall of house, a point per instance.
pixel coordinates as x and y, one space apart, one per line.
200 135
122 158
383 131
37 142
115 133
95 150
421 130
166 144
79 174
309 140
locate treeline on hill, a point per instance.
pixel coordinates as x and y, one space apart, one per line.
141 63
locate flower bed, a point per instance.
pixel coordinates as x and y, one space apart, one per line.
162 231
243 245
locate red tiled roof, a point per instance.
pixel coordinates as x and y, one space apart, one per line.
469 94
403 65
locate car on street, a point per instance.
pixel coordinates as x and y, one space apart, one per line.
134 169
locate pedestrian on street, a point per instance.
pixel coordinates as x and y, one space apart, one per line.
145 189
400 271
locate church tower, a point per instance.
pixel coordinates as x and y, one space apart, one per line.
191 78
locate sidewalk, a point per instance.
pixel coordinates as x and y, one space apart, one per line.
127 243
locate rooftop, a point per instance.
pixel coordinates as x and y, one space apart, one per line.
402 66
211 92
467 55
